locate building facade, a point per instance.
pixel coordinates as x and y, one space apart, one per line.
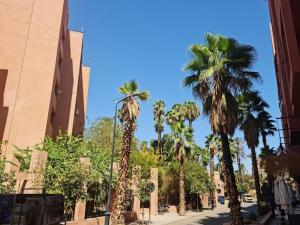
285 30
43 84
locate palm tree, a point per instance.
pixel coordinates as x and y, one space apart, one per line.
129 112
212 144
266 127
237 151
159 118
251 104
220 71
192 112
182 138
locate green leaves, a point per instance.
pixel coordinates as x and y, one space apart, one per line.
197 180
7 180
130 108
64 173
219 71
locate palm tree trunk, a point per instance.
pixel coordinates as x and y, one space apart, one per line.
212 173
234 204
119 208
181 188
240 175
159 141
264 139
190 124
238 159
255 174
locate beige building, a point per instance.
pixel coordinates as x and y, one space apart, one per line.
43 84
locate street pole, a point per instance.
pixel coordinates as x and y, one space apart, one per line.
149 205
107 213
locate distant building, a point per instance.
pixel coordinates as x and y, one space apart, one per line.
43 84
285 29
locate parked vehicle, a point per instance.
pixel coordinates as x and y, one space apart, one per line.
163 208
221 200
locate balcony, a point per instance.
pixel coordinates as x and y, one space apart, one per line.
290 134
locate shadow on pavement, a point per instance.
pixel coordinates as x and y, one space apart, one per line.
221 218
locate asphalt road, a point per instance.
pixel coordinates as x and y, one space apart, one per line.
215 217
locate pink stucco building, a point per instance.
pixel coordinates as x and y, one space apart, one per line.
43 84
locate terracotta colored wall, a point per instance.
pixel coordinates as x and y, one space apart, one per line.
285 28
86 71
76 49
79 115
41 71
34 26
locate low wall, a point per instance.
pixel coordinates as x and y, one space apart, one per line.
129 217
90 221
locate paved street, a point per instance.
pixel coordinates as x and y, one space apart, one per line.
218 216
214 217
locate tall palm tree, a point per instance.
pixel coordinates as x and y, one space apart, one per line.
266 127
220 71
212 144
192 112
237 150
251 104
129 112
182 136
159 118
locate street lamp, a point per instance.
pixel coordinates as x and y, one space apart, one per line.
107 212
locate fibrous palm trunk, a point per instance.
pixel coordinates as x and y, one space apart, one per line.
212 172
240 175
234 204
270 177
264 139
159 142
190 124
255 174
119 207
181 188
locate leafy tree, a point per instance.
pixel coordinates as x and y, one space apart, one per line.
182 139
192 112
220 71
144 194
251 103
64 173
197 179
100 134
145 159
98 177
159 118
128 114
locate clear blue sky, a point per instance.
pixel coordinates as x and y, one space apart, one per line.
147 40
